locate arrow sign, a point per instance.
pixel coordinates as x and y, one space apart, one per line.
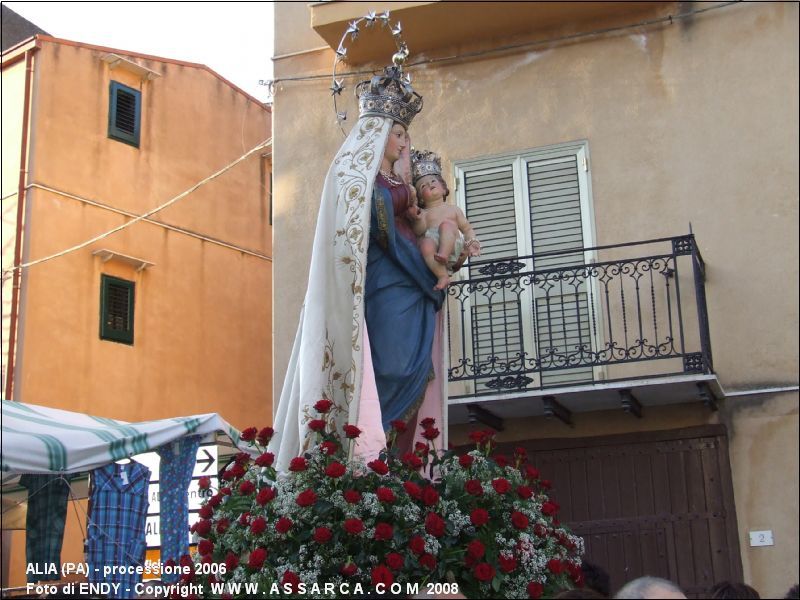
207 461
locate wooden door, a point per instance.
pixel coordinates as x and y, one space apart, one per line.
657 503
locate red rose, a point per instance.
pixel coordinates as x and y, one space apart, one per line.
395 561
535 590
306 498
545 483
291 580
266 459
417 544
427 422
204 483
215 500
519 520
428 561
476 549
329 448
283 525
265 435
483 572
550 508
479 517
381 574
477 436
206 511
412 461
205 547
316 425
380 467
430 496
246 488
222 526
524 492
531 473
323 406
421 449
322 535
501 485
465 460
225 491
257 558
353 526
351 431
244 519
249 434
473 487
430 434
507 563
399 426
265 495
231 561
203 527
242 458
335 470
384 532
412 489
434 524
555 566
384 494
501 460
540 530
298 464
348 570
258 525
352 496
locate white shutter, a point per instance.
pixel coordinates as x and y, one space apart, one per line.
562 309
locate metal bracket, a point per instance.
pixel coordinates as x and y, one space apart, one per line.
708 397
478 413
553 409
630 404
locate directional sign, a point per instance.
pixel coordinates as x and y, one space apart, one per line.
206 461
196 495
153 524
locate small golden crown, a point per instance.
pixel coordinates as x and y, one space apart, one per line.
389 95
424 162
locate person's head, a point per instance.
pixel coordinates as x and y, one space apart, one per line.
732 590
431 187
794 592
650 587
596 578
396 143
580 593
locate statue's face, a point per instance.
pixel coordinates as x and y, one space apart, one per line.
396 143
430 188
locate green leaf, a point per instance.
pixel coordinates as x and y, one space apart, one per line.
496 583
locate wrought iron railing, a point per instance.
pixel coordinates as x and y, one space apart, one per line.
579 316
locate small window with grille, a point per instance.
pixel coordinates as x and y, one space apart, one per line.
124 113
116 309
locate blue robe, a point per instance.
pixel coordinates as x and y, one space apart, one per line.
401 307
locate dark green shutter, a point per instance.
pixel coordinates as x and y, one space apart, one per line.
124 113
116 309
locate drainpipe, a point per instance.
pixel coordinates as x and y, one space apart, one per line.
17 276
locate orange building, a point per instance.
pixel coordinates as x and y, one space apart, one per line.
170 315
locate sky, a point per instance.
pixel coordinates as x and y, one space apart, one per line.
233 38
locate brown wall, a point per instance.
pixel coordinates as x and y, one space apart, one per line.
694 122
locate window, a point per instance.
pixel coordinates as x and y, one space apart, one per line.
116 309
533 207
124 113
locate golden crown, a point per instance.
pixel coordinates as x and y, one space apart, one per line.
389 95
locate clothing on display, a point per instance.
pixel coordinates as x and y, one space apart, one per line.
117 517
175 474
44 524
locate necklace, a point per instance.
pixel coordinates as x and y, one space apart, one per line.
389 178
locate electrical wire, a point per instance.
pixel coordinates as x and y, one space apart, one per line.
9 272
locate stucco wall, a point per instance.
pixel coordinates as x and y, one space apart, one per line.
203 312
690 123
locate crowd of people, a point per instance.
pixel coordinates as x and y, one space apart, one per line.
597 584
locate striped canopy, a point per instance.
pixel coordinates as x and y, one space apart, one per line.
37 439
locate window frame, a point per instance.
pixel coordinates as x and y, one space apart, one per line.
115 335
114 132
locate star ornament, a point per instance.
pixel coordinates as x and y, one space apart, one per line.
397 30
370 18
341 52
352 30
342 116
337 87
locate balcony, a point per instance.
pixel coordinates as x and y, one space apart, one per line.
611 327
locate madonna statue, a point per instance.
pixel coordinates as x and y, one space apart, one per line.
371 328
